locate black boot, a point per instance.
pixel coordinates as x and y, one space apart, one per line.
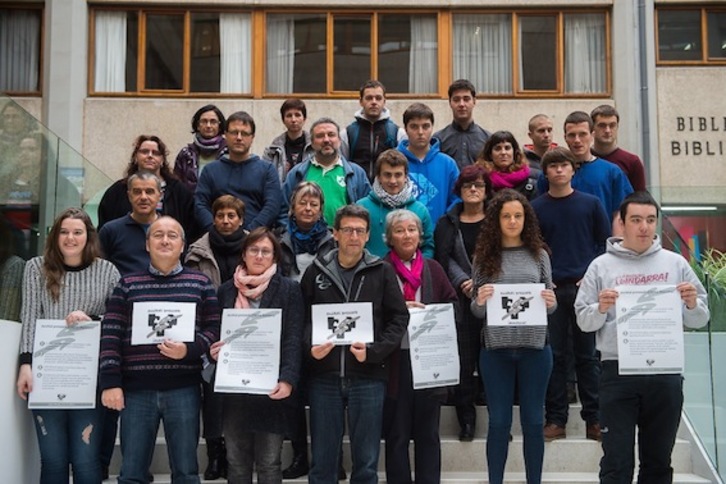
217 455
298 468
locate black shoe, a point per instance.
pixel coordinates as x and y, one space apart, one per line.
298 468
217 455
467 433
342 476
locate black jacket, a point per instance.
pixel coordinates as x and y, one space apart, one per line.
374 281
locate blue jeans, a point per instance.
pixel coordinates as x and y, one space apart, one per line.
329 396
587 365
531 369
179 410
68 437
651 404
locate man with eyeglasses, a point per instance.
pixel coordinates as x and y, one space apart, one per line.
352 376
149 383
341 182
243 175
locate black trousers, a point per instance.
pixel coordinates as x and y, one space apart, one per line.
410 414
650 403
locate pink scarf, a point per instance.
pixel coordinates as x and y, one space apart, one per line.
501 179
250 287
411 277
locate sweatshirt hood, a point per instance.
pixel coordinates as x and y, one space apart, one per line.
385 114
435 148
615 247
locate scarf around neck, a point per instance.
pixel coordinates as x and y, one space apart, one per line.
226 250
411 277
251 287
207 146
501 179
306 241
393 201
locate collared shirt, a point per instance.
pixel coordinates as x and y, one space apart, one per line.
326 168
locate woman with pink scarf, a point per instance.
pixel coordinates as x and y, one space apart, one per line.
410 414
254 425
507 166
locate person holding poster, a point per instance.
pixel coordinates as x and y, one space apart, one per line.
410 414
510 250
355 375
255 425
69 282
649 403
149 383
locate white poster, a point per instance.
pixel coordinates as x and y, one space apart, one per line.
154 322
342 324
433 346
650 330
249 360
517 305
65 364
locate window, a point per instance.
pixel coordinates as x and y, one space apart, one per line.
182 52
519 54
299 58
691 35
20 42
312 52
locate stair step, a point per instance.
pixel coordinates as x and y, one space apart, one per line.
480 478
565 455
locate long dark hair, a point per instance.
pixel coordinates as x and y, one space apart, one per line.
488 252
53 258
165 169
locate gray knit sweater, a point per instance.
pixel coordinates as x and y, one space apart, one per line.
84 290
518 267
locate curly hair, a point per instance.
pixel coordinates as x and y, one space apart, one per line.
133 166
485 157
53 266
488 252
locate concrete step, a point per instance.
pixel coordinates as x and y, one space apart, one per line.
565 455
481 478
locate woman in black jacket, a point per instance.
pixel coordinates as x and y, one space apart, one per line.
455 240
254 425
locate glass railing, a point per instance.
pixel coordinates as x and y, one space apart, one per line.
694 230
40 176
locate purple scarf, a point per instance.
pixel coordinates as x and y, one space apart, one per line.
411 277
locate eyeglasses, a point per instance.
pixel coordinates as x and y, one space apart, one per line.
470 185
169 235
255 251
210 122
147 152
359 231
244 134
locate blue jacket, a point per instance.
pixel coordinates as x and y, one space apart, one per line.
254 181
356 181
434 177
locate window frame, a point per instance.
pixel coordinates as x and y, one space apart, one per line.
703 11
141 90
41 43
560 14
445 40
330 14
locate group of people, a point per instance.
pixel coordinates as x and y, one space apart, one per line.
396 217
